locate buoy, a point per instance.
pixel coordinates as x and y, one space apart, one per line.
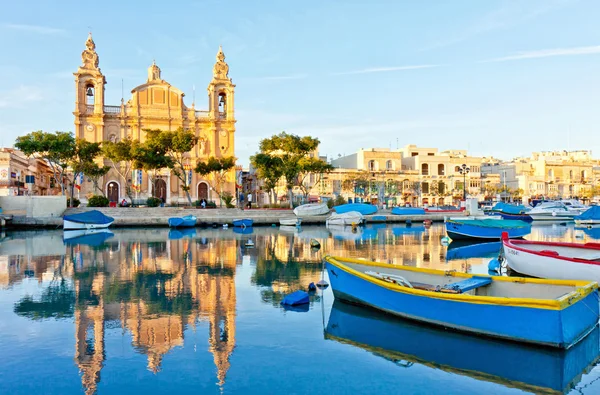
322 284
225 226
494 265
249 243
314 243
445 240
312 287
273 225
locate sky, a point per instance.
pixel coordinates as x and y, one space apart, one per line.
500 78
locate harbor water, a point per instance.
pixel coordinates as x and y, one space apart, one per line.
198 311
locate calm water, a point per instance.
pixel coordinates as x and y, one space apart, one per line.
153 311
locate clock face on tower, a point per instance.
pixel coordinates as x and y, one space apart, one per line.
89 128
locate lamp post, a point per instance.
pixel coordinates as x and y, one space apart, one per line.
464 169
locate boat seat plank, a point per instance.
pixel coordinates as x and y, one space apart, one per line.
467 285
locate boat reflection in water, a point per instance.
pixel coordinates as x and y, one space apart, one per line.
459 249
536 369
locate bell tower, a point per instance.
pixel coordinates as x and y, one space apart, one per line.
220 90
89 99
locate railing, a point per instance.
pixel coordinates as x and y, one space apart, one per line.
89 109
201 114
112 109
222 115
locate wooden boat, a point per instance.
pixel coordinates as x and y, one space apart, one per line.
561 313
347 218
553 259
363 208
488 228
408 211
93 219
589 217
290 221
311 209
182 222
243 223
536 370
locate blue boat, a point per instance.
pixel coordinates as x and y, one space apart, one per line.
592 231
92 219
589 217
408 211
92 237
378 218
243 223
511 211
242 230
561 314
488 229
182 222
363 208
405 343
407 230
464 249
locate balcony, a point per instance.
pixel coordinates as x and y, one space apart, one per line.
202 114
112 110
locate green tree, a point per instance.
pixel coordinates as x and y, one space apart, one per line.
308 166
122 155
94 172
176 146
291 149
55 148
82 160
216 169
357 184
151 157
269 169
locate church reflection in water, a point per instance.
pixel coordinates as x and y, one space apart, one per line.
155 284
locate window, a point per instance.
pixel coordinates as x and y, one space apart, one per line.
414 154
457 169
371 165
583 174
430 154
441 188
425 187
90 94
570 174
388 165
550 173
441 170
425 169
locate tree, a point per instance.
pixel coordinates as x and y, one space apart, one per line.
122 154
308 166
358 184
269 169
291 149
150 157
94 172
217 169
55 148
82 160
176 146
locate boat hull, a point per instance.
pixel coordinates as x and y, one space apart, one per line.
551 217
290 221
311 209
587 221
517 217
182 222
541 326
465 231
71 225
542 266
363 208
244 223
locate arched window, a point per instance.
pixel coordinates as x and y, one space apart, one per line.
457 169
571 174
441 170
90 95
222 102
389 165
371 165
425 169
583 174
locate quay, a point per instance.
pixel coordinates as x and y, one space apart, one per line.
159 216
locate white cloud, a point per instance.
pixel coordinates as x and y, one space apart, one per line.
33 28
386 69
546 53
20 96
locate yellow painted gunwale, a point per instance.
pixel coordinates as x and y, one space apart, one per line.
583 288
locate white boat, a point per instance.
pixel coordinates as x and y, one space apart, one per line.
575 205
565 261
552 211
290 221
311 209
349 218
93 219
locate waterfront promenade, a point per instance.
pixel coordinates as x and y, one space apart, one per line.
159 216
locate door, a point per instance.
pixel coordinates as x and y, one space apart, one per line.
161 189
112 191
202 191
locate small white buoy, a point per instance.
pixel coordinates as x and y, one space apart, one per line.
225 226
445 240
322 284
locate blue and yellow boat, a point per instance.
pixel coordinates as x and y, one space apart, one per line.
560 314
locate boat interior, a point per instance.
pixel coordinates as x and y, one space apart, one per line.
476 285
567 252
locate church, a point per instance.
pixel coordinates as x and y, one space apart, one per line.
155 104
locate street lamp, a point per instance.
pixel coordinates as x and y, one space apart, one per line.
464 170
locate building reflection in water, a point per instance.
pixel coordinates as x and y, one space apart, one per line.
155 284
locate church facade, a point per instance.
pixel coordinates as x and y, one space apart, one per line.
156 104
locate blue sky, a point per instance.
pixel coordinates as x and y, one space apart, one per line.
496 77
